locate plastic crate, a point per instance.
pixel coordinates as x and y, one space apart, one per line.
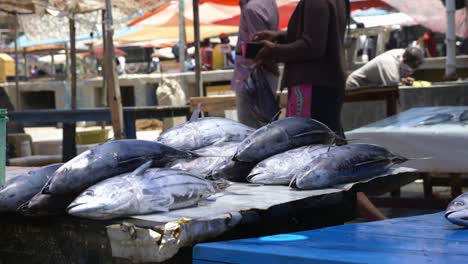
3 122
92 136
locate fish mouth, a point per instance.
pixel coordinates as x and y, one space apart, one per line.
73 205
250 176
457 217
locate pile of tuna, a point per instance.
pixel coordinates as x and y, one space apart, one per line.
189 163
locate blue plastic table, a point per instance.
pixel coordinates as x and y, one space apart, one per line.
419 239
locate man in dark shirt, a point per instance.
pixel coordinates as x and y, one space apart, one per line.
313 52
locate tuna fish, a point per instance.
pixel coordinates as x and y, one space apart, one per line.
46 204
464 117
23 187
107 160
345 164
282 135
436 119
149 191
211 158
281 168
457 210
203 132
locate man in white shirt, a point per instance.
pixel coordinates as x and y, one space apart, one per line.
389 68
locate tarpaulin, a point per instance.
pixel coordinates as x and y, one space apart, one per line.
431 14
440 148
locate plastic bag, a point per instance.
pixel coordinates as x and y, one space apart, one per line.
263 102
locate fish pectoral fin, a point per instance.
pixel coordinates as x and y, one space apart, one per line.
142 159
160 209
196 113
371 162
314 132
140 170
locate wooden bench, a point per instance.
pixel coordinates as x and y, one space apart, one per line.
389 94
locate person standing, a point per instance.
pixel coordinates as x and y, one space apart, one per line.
256 16
206 55
313 52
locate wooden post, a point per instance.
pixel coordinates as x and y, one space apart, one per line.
196 30
113 87
69 129
182 37
450 39
25 57
17 91
104 99
71 23
67 62
52 66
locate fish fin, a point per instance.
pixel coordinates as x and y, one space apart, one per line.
369 162
222 184
221 140
140 170
311 133
161 209
23 208
196 113
292 183
276 116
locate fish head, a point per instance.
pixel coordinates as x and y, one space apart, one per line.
178 138
457 210
105 200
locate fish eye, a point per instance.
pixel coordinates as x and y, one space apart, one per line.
457 203
89 192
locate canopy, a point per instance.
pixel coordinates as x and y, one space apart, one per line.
431 15
171 33
379 17
168 14
285 8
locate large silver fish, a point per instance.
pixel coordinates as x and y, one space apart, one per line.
281 168
149 191
345 164
457 210
211 158
107 160
282 135
23 187
203 132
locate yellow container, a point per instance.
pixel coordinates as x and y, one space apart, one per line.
92 136
7 67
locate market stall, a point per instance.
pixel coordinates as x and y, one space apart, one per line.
245 210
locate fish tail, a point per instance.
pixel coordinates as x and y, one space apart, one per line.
23 209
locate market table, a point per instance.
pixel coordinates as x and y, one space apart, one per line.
419 239
245 210
440 149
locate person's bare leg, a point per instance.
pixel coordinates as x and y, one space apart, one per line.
367 209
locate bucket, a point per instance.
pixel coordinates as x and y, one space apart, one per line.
3 121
